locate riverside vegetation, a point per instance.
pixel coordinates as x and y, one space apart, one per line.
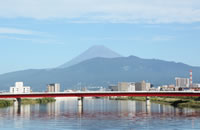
6 103
192 102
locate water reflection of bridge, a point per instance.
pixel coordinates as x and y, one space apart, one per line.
68 107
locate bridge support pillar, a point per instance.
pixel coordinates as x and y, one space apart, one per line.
148 101
80 101
148 105
80 106
18 103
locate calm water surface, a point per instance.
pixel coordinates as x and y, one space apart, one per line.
98 114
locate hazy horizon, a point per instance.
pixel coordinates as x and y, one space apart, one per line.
80 54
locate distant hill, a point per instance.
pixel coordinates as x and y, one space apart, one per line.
103 71
92 52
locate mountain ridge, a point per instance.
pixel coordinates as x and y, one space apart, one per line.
102 71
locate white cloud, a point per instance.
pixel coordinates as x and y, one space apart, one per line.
33 40
112 11
4 30
27 35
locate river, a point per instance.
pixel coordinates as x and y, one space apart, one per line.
98 114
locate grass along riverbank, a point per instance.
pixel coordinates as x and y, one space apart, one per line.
38 101
192 102
6 103
130 98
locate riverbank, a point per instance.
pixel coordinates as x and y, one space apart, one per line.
38 101
130 98
6 103
181 102
192 102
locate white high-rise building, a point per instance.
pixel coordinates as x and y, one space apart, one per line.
53 87
20 88
142 86
126 86
182 82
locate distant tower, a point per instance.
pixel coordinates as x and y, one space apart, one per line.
190 78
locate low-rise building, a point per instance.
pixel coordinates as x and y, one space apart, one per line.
84 89
154 89
20 88
113 87
55 87
131 86
168 88
195 85
69 90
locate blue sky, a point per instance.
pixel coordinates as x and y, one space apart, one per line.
46 33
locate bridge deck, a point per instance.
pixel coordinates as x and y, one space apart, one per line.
101 94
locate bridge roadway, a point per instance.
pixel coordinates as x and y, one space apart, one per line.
101 94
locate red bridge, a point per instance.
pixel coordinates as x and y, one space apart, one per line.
102 94
80 95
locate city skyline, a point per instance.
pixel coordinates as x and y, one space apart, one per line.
36 35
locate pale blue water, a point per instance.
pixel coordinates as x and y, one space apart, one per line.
98 114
